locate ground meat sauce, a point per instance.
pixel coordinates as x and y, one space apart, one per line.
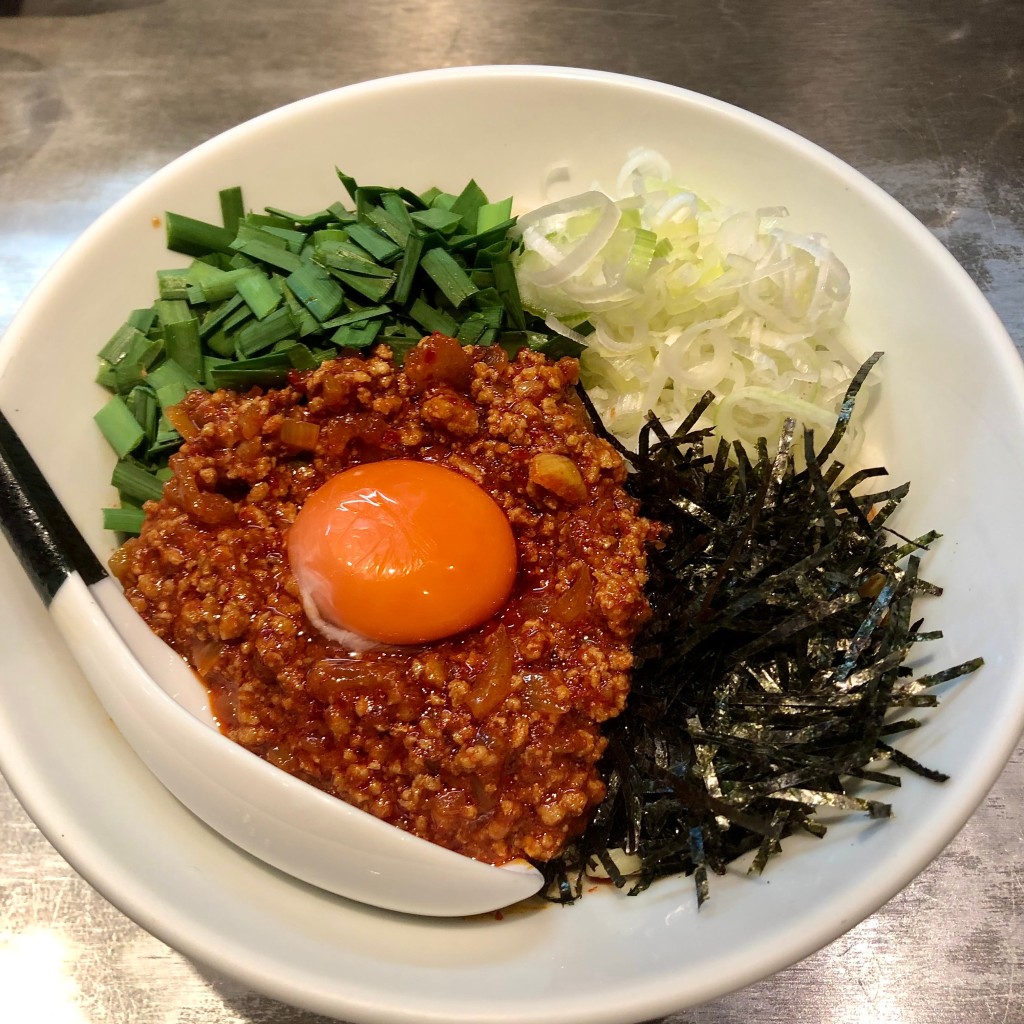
485 743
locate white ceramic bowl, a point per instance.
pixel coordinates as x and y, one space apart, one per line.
950 418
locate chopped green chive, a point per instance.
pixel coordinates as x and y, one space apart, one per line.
170 394
377 245
357 335
468 204
170 371
492 215
311 220
407 267
293 240
135 482
196 237
259 293
126 519
172 284
357 316
142 319
210 363
270 370
396 228
448 276
122 430
322 296
232 209
172 311
436 219
144 407
308 324
372 288
214 318
120 343
267 252
253 232
508 289
261 334
431 319
181 343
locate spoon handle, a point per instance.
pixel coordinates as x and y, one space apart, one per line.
45 540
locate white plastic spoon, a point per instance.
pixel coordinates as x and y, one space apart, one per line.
162 711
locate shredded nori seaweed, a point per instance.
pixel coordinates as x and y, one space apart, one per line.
765 679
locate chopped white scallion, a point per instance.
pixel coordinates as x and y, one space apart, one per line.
687 296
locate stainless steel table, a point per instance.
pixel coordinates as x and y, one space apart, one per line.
925 98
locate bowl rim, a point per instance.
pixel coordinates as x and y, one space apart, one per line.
169 924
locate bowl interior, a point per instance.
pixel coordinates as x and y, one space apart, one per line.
950 417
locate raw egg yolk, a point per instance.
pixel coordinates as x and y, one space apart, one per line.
401 552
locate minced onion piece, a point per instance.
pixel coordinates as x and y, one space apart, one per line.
300 434
687 296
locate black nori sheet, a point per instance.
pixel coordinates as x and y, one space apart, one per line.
763 681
